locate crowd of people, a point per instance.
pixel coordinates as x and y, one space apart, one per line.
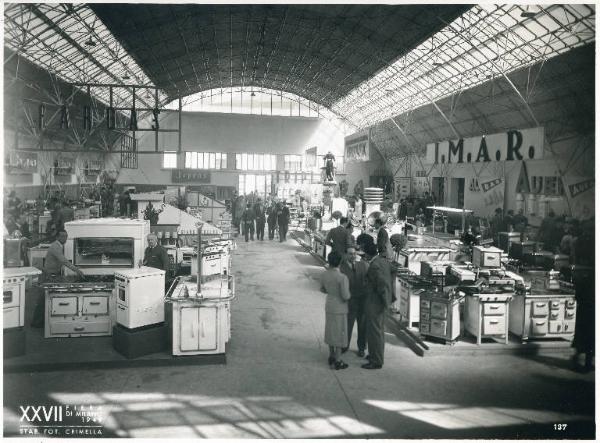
256 216
359 288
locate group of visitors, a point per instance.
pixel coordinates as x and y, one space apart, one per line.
277 216
359 290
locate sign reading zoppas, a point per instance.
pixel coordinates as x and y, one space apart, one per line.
525 144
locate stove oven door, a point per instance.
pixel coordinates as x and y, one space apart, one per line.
11 296
122 295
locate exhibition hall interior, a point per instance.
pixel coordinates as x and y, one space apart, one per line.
366 221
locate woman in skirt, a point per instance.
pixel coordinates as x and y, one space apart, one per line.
335 285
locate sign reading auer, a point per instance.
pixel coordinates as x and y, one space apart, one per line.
526 144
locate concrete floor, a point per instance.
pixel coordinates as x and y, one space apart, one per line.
276 383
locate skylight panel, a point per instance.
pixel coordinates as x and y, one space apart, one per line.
487 41
73 64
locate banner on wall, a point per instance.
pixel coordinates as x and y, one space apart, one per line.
357 146
514 145
420 185
581 195
64 165
402 186
485 194
21 162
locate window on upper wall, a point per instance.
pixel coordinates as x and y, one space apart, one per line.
292 163
255 162
169 160
259 183
205 160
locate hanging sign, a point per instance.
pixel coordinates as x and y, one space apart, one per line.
356 147
310 157
21 162
577 188
190 175
525 144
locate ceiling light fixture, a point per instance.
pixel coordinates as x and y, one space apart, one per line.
90 42
527 13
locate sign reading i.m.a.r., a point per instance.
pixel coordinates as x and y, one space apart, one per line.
524 144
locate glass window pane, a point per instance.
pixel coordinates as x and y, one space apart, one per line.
261 162
238 161
223 161
244 161
260 183
211 160
195 160
250 183
188 160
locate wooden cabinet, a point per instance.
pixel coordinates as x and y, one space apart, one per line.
439 316
487 315
78 314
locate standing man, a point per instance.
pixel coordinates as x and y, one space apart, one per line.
248 217
520 222
272 220
377 301
384 247
283 219
339 238
259 210
358 208
356 271
155 255
52 272
55 258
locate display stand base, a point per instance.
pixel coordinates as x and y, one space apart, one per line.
14 342
133 343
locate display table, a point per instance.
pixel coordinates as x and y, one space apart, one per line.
487 315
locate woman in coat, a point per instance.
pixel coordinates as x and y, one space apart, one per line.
335 285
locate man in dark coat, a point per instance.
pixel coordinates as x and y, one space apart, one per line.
283 220
339 238
272 221
356 271
155 256
248 218
259 210
377 301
